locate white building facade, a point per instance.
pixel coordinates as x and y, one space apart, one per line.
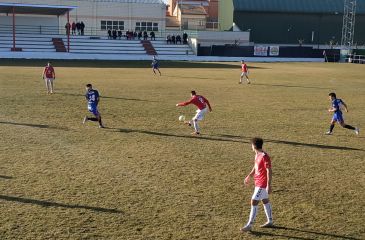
97 15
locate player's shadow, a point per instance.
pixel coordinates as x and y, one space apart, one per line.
43 203
296 231
106 97
5 177
33 125
287 86
313 145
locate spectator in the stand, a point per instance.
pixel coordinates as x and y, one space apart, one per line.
145 35
68 27
139 35
78 28
109 33
114 34
152 35
135 34
168 39
173 39
185 38
178 39
82 27
120 33
73 27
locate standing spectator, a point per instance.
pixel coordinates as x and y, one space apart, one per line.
135 35
114 34
120 33
152 35
73 27
82 26
78 28
185 38
178 39
68 27
173 39
168 39
109 33
139 35
145 35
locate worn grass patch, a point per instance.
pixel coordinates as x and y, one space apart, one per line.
145 177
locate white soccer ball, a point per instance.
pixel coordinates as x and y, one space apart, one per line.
182 118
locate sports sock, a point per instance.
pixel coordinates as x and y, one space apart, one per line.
268 211
94 119
196 126
332 127
253 213
100 123
349 127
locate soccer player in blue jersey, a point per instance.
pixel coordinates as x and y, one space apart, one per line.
155 65
93 97
337 114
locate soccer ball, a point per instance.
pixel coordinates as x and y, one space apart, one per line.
182 118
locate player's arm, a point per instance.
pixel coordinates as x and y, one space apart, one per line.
269 180
206 100
44 72
247 179
182 104
345 106
54 74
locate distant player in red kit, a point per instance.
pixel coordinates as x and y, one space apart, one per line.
49 75
202 104
262 174
244 72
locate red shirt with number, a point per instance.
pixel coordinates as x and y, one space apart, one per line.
244 67
262 163
199 101
49 72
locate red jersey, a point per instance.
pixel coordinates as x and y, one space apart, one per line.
262 163
244 67
199 101
49 72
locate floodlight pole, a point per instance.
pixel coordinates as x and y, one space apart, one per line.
13 29
68 30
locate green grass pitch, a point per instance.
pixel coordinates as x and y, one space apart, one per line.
145 177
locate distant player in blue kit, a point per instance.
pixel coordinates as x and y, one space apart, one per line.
337 114
155 65
93 97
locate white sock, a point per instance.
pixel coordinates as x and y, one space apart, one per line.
253 213
196 126
268 212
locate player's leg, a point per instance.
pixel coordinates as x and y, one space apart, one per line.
332 126
256 197
241 77
46 80
158 69
344 125
51 85
196 127
99 120
268 212
247 79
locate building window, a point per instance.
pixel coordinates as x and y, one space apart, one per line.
105 25
147 26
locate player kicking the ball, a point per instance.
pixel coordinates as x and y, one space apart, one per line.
262 174
202 104
93 97
337 114
244 72
155 65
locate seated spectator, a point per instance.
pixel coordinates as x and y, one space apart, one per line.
152 35
185 38
145 35
109 34
173 39
168 39
114 34
120 33
139 35
178 39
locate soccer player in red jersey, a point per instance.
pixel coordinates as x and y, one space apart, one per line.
244 72
202 104
49 75
262 174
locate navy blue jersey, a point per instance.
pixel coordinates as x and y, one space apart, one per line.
92 97
154 63
336 103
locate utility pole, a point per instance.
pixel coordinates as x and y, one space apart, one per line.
348 27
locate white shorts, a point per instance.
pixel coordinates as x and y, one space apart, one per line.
259 194
49 79
244 74
200 114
